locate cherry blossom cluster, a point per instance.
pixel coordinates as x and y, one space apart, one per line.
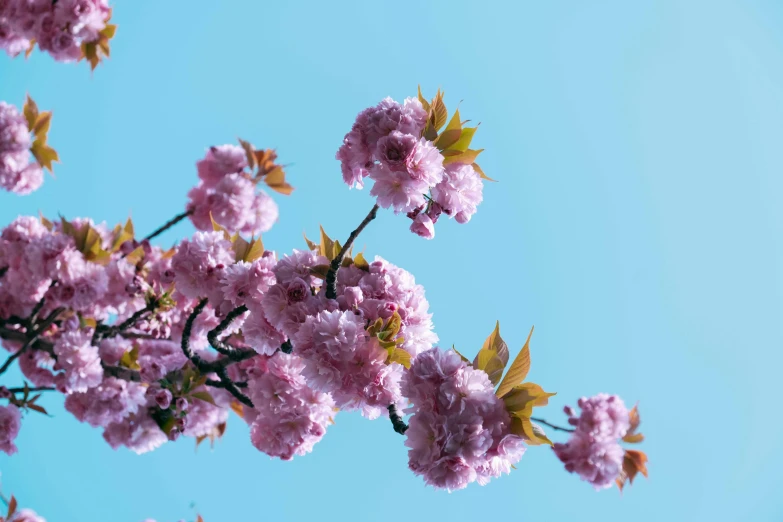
17 173
63 28
415 170
227 195
460 430
593 452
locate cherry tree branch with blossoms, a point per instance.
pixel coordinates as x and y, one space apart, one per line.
151 345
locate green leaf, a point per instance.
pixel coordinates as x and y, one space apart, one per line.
447 139
393 326
204 396
130 359
518 370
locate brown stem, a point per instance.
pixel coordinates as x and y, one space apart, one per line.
334 266
396 420
554 427
170 223
38 389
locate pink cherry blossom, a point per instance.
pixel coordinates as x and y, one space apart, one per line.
10 421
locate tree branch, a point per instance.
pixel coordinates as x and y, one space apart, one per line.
334 266
38 389
3 271
221 346
396 420
556 428
170 223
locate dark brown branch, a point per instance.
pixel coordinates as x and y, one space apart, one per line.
38 389
231 388
213 336
556 428
170 223
334 266
12 358
31 337
396 420
188 329
3 271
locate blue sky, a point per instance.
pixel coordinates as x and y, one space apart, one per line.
636 224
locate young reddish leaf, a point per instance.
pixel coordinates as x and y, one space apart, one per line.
199 519
276 181
518 370
37 408
30 111
634 462
438 112
30 49
631 436
249 153
237 408
266 161
11 507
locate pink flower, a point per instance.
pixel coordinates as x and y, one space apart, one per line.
228 203
138 432
10 421
593 451
423 226
14 136
157 358
397 189
26 515
355 158
459 194
246 283
221 161
199 263
260 334
79 360
109 402
262 215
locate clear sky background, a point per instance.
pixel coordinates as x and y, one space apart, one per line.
637 223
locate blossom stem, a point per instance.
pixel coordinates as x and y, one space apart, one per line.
396 420
554 427
170 223
334 266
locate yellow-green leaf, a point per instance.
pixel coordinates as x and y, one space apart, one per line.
375 327
109 31
130 359
518 370
217 227
423 100
463 143
204 396
496 343
464 359
328 246
523 427
481 173
44 154
454 156
393 326
489 361
42 124
438 112
360 262
30 111
521 400
400 356
310 244
447 139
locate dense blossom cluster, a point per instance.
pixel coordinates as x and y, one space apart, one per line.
460 430
227 194
387 143
59 28
17 173
594 452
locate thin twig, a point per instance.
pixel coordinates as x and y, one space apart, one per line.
170 223
125 374
38 389
213 335
232 389
188 329
556 428
334 266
